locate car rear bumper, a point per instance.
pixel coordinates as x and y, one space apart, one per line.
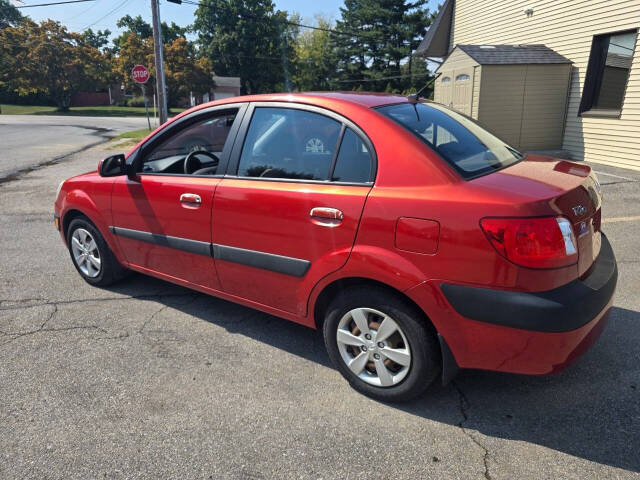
559 310
521 332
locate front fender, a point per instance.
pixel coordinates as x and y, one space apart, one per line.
98 212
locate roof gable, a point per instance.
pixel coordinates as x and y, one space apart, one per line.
436 41
459 58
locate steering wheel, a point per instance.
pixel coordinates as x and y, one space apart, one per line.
193 165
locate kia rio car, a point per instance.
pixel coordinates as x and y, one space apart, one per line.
417 241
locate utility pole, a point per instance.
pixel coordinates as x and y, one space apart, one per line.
157 50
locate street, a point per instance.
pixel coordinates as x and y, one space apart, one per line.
28 141
150 380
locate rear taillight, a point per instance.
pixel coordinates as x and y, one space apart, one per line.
544 242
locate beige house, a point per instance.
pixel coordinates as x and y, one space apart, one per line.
544 75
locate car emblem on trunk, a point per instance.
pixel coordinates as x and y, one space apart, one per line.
579 210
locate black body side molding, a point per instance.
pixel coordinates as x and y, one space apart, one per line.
267 261
191 246
252 258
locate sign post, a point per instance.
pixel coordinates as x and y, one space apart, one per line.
140 75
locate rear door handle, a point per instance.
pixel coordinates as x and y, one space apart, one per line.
190 198
326 215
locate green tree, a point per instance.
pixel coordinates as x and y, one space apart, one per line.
140 27
133 50
98 39
385 32
185 72
315 59
46 58
248 39
9 15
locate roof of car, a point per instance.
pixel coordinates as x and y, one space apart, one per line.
366 99
369 99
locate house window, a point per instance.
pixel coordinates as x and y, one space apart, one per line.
446 80
608 72
462 77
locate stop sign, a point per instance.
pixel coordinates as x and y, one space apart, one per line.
140 73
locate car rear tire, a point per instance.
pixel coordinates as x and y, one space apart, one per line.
90 254
381 344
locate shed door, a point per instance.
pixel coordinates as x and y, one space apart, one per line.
445 88
463 90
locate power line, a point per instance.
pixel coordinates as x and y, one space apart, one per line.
385 78
118 7
295 24
54 3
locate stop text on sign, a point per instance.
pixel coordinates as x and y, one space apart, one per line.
140 74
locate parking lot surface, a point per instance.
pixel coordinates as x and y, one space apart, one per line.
151 380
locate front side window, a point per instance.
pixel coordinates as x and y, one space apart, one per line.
466 146
207 136
608 72
290 144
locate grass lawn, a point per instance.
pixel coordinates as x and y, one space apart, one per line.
134 135
98 111
126 140
26 110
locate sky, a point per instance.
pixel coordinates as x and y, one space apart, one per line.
103 14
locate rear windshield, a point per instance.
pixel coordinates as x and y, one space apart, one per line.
470 149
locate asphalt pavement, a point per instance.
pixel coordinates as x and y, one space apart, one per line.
151 380
29 141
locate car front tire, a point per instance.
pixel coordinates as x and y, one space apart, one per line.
381 344
90 254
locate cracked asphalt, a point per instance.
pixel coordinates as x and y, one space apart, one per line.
151 380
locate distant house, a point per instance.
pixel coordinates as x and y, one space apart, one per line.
544 75
224 87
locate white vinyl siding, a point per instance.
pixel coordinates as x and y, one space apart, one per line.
568 28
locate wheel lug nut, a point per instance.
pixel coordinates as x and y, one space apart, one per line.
363 348
367 336
380 345
376 356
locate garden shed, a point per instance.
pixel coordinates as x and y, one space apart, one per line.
518 92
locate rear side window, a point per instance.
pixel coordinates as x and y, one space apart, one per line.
469 148
353 164
289 144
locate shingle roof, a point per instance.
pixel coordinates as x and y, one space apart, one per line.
511 54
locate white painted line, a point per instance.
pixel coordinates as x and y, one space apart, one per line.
612 175
621 219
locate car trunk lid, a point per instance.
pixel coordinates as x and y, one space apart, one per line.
539 186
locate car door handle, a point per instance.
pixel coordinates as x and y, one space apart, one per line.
325 214
190 198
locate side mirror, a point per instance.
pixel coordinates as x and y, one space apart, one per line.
112 166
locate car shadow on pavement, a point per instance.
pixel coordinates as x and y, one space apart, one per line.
590 410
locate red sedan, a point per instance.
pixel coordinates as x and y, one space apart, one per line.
418 242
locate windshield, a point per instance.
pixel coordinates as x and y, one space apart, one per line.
470 149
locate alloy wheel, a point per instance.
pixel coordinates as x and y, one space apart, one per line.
374 347
85 252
